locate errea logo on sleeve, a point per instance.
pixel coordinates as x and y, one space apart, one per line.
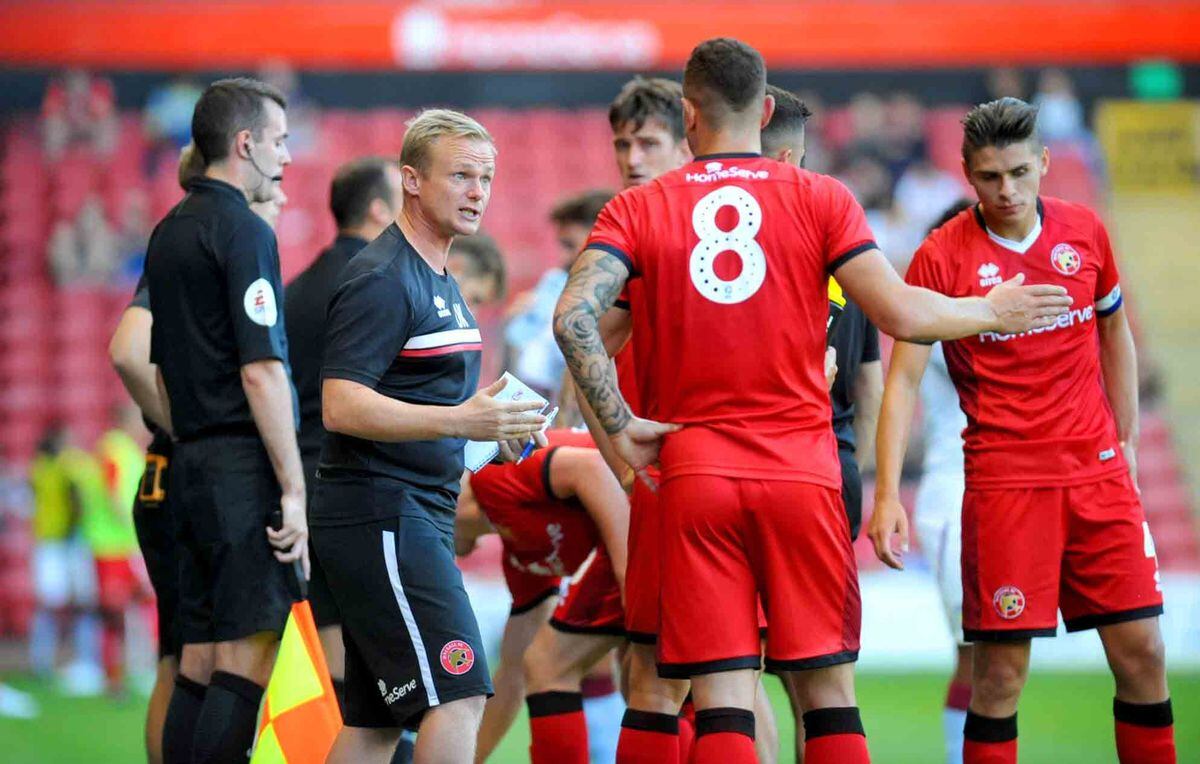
259 302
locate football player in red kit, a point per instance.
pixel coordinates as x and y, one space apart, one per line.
730 257
560 514
1051 519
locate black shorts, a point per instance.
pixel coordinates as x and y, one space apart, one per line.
411 638
325 612
230 584
851 490
156 537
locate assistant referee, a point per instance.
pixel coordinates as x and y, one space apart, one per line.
219 341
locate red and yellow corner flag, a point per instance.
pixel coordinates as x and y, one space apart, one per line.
300 715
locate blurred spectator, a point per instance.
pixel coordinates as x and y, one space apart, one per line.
167 120
923 192
301 112
64 580
904 133
816 150
1003 82
84 251
168 113
79 109
108 526
1060 114
533 355
134 232
868 117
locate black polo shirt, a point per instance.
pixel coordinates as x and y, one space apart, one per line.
404 330
306 303
857 342
161 441
213 271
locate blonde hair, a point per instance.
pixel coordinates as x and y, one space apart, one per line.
191 165
431 124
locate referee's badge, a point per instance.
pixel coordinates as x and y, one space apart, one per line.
457 657
259 302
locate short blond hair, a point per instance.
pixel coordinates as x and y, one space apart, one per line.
431 124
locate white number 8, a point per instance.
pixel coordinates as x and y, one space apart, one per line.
714 241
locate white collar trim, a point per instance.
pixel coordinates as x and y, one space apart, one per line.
1020 247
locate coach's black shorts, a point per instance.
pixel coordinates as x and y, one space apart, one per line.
230 584
154 524
325 612
411 638
851 490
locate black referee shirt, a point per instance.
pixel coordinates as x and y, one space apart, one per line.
857 342
306 303
404 330
213 272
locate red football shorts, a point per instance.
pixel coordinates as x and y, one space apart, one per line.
1029 552
728 542
643 569
116 583
593 601
528 590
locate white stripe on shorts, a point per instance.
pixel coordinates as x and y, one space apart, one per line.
393 568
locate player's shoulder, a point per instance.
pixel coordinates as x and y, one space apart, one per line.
955 234
1077 217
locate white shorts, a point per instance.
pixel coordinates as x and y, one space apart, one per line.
64 573
939 528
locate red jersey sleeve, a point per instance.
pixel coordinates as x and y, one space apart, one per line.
926 269
510 484
847 232
1108 283
615 231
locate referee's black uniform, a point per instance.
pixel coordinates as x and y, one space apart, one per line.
213 272
306 303
382 516
857 342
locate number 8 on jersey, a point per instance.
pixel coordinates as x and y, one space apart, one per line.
739 240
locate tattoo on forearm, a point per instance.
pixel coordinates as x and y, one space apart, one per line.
595 282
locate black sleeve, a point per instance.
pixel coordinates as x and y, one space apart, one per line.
141 294
870 350
252 281
366 328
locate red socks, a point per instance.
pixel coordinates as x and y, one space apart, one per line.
687 731
1145 732
835 736
724 736
648 738
958 696
987 740
558 731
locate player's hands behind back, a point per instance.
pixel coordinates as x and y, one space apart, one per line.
638 444
888 518
1020 308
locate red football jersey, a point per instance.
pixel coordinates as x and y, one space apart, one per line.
542 534
1036 410
729 258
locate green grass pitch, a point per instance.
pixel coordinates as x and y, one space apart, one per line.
1064 719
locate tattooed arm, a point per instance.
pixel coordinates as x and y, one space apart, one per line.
596 280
